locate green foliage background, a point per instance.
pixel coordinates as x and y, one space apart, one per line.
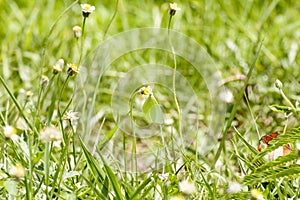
35 34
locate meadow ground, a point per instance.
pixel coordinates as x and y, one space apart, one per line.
149 99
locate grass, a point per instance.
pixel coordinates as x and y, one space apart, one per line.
91 134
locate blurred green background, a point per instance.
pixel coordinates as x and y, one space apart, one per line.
35 34
230 31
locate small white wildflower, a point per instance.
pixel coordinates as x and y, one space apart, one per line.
50 134
72 69
177 197
226 96
256 194
146 91
71 116
10 133
234 187
87 9
187 187
17 171
29 94
173 8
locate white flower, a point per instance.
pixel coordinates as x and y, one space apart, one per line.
177 197
146 91
234 187
72 69
226 96
256 194
29 94
50 134
10 133
87 9
187 187
71 116
173 8
17 171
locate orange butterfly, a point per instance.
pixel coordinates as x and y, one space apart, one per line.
267 138
281 151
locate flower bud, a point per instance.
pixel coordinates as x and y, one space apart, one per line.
77 31
29 94
58 66
45 80
278 84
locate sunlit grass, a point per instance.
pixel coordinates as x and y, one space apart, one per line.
72 129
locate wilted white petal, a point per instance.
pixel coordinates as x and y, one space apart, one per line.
50 134
187 187
234 187
17 171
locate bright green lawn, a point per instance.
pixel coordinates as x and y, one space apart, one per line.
189 139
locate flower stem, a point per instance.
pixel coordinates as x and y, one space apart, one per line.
17 104
174 81
46 160
82 41
287 100
60 95
60 114
30 166
285 125
73 138
133 157
111 20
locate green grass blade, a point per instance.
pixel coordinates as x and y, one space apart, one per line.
270 175
235 106
107 137
94 166
113 179
141 187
